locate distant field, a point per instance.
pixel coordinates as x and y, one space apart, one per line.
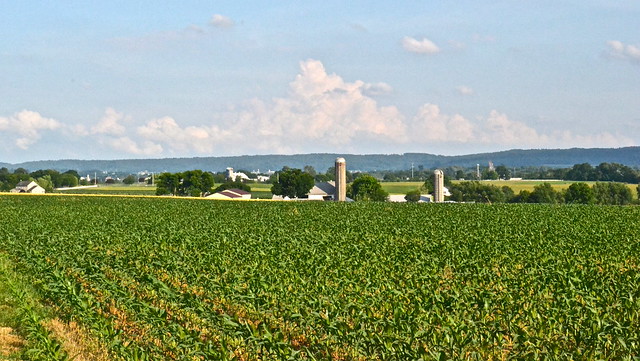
116 189
262 190
516 185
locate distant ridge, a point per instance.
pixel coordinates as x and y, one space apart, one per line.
629 156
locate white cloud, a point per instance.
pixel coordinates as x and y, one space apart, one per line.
322 109
424 46
465 90
221 21
619 50
29 125
109 124
377 89
430 125
322 112
200 139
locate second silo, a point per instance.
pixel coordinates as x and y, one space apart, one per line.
341 180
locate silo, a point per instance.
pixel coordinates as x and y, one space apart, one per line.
341 180
438 186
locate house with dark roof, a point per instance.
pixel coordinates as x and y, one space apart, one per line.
230 194
28 187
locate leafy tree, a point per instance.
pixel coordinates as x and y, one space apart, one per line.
130 179
579 193
292 183
612 193
310 170
45 182
581 172
522 197
167 183
195 183
67 180
367 188
544 193
413 196
490 174
503 172
474 191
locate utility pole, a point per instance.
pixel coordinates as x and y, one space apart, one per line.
411 170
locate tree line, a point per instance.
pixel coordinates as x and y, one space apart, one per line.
47 179
605 193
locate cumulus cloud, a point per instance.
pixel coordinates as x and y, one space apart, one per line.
201 139
431 126
424 46
28 126
321 112
465 90
321 109
110 124
221 21
619 50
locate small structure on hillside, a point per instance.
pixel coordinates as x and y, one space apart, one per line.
28 187
230 194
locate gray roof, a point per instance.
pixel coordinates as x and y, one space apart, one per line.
323 189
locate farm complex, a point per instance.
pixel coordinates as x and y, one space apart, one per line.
188 279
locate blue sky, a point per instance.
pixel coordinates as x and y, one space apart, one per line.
143 79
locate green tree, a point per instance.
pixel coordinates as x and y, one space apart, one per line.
503 172
195 183
612 193
67 180
367 188
130 179
46 183
310 170
579 193
292 183
167 183
474 191
413 196
544 193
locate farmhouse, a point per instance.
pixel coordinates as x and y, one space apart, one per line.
323 191
232 193
28 187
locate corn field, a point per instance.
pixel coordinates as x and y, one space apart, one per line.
187 279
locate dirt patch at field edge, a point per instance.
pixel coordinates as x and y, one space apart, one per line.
9 342
75 341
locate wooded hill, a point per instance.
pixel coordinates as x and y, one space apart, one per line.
556 158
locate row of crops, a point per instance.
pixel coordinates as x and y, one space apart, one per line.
186 279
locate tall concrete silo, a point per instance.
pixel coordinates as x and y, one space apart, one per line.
438 186
341 180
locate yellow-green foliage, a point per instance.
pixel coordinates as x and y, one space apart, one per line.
183 279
